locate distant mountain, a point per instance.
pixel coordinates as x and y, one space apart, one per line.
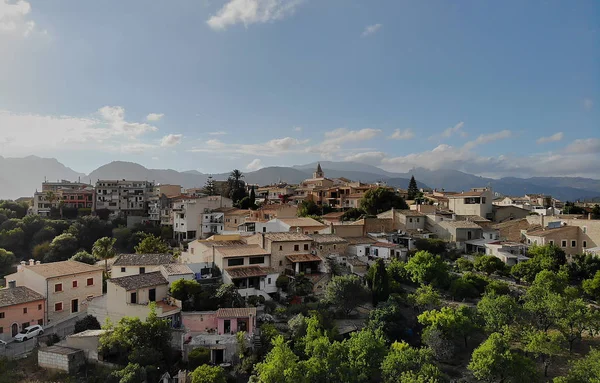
20 177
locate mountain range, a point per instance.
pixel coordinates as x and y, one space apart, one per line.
20 177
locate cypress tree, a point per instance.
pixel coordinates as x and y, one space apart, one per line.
381 283
413 189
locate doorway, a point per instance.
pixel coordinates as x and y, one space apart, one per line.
152 295
218 356
75 305
15 329
226 326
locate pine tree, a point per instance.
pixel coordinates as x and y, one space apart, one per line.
209 187
381 283
413 189
252 197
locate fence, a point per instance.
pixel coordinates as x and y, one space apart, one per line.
18 349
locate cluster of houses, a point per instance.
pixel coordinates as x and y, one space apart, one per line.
253 248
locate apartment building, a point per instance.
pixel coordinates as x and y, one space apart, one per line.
124 197
478 201
20 307
188 216
568 238
66 286
66 194
290 252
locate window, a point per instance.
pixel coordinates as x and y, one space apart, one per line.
551 242
296 247
24 325
1 315
573 243
74 284
584 229
1 330
58 287
269 280
41 322
418 220
305 246
257 260
410 220
58 306
90 281
584 244
564 243
235 262
192 250
482 199
321 247
334 247
280 264
39 307
142 270
280 248
123 269
133 298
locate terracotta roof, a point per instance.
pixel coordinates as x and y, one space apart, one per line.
234 242
335 214
57 269
241 251
166 308
143 259
547 231
460 224
236 312
359 240
356 262
287 237
327 238
301 222
138 281
249 271
177 269
386 244
303 258
17 295
472 218
466 194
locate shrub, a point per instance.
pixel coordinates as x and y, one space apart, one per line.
89 322
52 339
197 357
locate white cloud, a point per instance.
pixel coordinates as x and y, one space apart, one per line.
249 12
487 138
154 116
405 134
588 145
553 138
370 29
171 140
371 158
155 158
254 165
588 104
452 131
13 17
219 133
335 139
270 148
297 129
115 116
137 148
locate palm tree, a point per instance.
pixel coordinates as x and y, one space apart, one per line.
103 249
235 176
236 187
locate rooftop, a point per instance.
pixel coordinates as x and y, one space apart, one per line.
286 237
472 218
460 224
244 312
143 259
88 333
241 251
547 231
61 350
327 238
18 295
177 269
234 242
138 281
335 214
303 258
388 245
57 269
301 222
467 194
249 271
360 240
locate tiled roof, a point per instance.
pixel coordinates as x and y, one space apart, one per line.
236 312
460 224
233 242
386 244
303 258
177 269
547 231
335 214
472 218
287 237
301 222
327 238
249 271
241 251
17 295
360 240
139 281
466 194
143 259
57 269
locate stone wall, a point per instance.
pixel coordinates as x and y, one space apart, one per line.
61 358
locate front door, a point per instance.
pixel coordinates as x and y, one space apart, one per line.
15 329
218 356
152 295
75 306
226 326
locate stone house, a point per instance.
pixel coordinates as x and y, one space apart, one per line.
132 264
20 307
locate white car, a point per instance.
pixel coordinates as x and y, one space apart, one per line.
2 343
29 332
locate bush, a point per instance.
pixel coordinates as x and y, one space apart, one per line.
52 340
282 282
89 322
197 357
255 300
270 307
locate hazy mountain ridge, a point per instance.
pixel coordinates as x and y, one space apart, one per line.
20 177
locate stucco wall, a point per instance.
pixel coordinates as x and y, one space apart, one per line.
14 314
280 249
199 321
69 293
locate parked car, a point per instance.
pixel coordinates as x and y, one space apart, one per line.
2 343
29 333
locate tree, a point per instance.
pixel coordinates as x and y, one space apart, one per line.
404 359
366 350
571 208
345 293
228 296
432 245
381 199
489 264
463 264
40 251
596 211
461 288
413 189
88 322
388 319
282 282
297 326
544 346
104 249
458 322
84 257
13 240
425 267
7 260
498 311
381 284
209 186
493 360
132 373
352 214
61 248
584 370
236 187
308 207
592 286
209 374
280 364
45 234
426 298
301 285
88 230
526 270
197 357
152 245
497 287
573 319
252 197
543 300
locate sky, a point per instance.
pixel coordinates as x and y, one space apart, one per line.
495 88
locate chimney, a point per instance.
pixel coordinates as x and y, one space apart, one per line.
31 262
12 284
38 262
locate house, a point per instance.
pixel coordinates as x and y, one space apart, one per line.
478 202
287 250
298 225
511 230
383 250
510 253
66 194
67 286
132 264
357 246
61 358
123 197
333 217
176 271
503 213
20 307
212 223
233 217
188 213
130 296
88 341
324 245
201 251
453 230
408 221
565 237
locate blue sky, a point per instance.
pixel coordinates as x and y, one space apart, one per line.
492 88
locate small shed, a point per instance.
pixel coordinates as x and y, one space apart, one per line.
61 358
87 341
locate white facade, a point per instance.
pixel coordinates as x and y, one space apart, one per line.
124 196
212 223
188 216
476 202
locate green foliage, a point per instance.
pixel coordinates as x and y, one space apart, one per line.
413 189
426 298
7 260
493 360
461 288
346 292
381 199
352 214
497 287
463 264
88 230
543 300
308 208
366 350
571 208
583 266
282 282
104 249
301 285
62 248
489 264
545 346
45 234
19 209
573 319
388 319
236 187
381 285
498 311
458 322
228 296
405 363
40 251
209 374
132 373
197 357
280 364
585 370
12 240
297 326
397 275
432 245
592 286
425 268
85 257
152 245
88 322
209 187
